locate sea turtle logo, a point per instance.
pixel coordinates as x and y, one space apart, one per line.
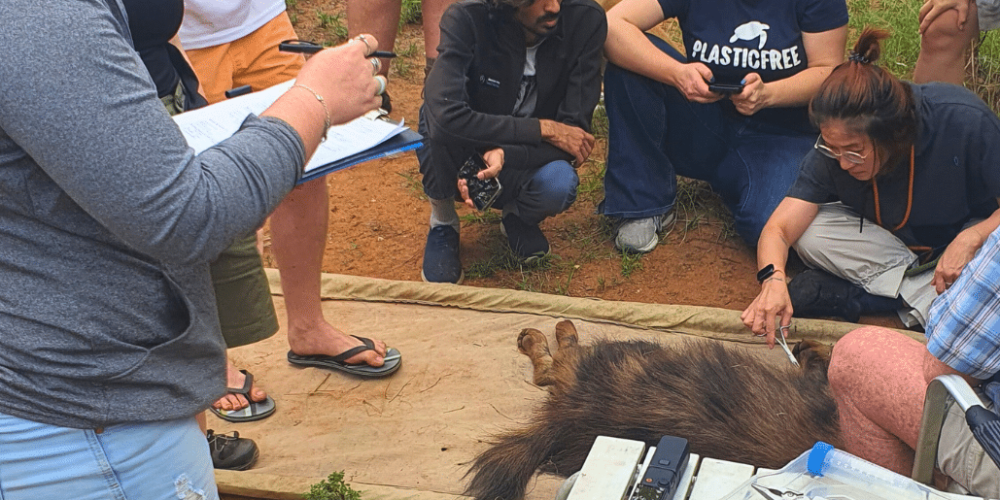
749 31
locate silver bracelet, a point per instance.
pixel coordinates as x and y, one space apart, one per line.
322 102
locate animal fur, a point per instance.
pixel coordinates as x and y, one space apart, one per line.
725 401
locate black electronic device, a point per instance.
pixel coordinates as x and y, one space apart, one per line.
765 273
304 47
482 192
726 88
660 479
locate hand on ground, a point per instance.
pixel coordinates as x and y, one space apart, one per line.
571 139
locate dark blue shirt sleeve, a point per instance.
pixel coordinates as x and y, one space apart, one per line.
674 8
814 183
817 16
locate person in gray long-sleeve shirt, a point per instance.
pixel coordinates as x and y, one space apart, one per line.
107 224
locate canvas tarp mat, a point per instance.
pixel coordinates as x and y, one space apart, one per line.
411 435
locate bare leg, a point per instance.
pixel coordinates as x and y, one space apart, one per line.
944 48
431 12
377 17
299 238
877 379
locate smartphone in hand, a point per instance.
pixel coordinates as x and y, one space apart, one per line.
482 192
726 89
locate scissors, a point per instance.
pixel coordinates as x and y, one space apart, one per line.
782 331
776 494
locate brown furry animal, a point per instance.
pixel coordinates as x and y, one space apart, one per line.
725 401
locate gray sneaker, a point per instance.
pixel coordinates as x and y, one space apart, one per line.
642 235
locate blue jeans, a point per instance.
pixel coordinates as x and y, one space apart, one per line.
150 461
655 134
544 192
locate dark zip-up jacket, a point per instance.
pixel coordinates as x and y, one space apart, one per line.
470 94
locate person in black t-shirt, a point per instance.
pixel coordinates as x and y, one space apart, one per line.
900 171
668 117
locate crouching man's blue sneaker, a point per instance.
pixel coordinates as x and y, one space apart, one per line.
441 259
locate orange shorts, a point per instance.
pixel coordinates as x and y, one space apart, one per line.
253 60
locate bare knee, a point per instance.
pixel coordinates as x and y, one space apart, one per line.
944 37
850 355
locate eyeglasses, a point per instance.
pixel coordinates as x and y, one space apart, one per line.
850 156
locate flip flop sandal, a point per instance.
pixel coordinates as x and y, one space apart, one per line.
256 410
393 361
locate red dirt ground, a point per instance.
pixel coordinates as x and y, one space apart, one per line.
378 221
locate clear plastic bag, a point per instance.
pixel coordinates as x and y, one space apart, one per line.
826 473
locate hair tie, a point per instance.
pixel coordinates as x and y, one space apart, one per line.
858 58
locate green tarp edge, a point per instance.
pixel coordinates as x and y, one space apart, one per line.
708 322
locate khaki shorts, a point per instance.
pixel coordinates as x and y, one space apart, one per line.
961 457
242 294
253 60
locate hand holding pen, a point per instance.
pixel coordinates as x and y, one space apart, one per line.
307 47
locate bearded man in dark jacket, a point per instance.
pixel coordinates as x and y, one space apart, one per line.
516 81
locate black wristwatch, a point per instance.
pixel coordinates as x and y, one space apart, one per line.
765 273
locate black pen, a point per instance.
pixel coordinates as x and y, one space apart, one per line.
303 47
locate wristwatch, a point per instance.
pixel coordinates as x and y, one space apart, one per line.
765 273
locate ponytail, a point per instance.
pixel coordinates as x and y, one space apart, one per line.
869 100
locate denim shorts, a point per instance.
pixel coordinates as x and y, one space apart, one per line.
166 460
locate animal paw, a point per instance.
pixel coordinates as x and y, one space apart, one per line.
566 335
532 343
812 354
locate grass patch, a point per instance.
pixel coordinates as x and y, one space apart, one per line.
332 488
487 218
983 70
413 184
411 50
631 262
599 123
591 186
333 25
697 204
410 13
899 52
501 258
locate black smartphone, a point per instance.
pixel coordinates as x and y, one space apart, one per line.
482 192
660 479
726 88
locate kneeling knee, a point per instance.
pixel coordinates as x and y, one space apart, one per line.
943 36
556 186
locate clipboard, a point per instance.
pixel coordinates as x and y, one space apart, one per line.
408 140
347 145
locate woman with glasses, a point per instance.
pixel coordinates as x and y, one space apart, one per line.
897 196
